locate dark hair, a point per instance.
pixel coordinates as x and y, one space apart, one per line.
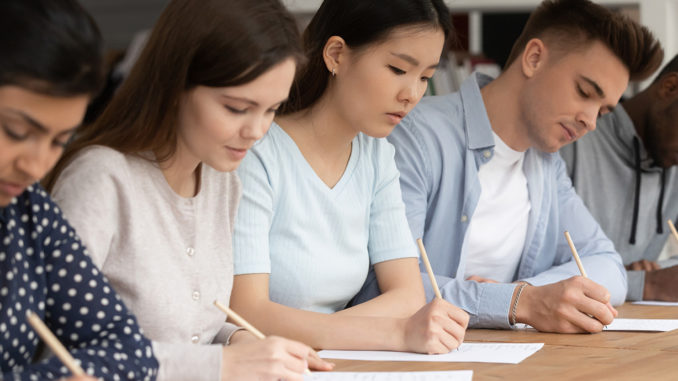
216 43
570 23
359 23
52 47
670 67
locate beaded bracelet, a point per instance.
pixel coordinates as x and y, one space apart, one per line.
515 304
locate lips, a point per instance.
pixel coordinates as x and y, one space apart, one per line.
396 117
569 133
12 189
237 153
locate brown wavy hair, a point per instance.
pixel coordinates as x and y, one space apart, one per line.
215 43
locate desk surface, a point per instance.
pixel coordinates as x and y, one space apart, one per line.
600 356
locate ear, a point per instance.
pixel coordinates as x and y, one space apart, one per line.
334 53
533 57
668 86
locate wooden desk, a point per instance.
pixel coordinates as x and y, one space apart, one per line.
601 356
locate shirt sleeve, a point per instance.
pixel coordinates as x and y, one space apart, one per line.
389 233
83 176
253 220
86 314
602 263
415 174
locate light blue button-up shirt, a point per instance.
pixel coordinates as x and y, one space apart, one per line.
440 147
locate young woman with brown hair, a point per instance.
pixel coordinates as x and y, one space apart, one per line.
151 183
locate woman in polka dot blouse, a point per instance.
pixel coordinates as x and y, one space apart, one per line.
49 66
152 190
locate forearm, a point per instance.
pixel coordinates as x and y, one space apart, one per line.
401 303
325 331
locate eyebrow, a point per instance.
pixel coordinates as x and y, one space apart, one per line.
595 86
411 60
598 90
37 125
249 101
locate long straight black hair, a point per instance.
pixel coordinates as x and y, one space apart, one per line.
52 47
360 23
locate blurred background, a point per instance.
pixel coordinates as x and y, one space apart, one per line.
486 30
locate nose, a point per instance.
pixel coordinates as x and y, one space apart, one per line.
409 94
257 127
37 161
587 119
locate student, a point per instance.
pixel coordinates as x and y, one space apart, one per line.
50 68
625 174
151 183
321 200
484 186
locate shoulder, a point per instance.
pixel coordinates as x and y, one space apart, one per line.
436 119
97 160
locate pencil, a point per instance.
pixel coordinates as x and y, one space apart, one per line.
424 258
575 254
53 343
239 320
673 229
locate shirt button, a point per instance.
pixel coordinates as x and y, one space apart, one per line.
196 295
464 218
195 339
487 154
190 251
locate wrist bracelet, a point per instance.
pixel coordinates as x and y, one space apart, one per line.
515 304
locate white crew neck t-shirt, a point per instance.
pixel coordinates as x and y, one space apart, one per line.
497 230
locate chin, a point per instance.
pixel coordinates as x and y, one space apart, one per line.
224 166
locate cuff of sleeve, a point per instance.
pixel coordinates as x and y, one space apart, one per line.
636 283
494 305
225 333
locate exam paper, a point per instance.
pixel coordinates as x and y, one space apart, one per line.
655 303
507 353
454 375
649 325
637 325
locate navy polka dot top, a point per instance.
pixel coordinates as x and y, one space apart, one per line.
44 268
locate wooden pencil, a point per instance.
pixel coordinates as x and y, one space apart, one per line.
431 276
239 320
53 343
673 229
575 254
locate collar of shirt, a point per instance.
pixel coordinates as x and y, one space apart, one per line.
476 122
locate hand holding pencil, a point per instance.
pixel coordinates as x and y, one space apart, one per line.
439 326
267 357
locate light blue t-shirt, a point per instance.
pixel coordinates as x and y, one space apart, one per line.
318 243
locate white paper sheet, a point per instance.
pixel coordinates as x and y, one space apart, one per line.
656 303
637 325
453 375
507 353
648 325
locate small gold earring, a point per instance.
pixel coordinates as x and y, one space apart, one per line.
334 73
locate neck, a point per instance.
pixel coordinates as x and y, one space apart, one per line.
636 108
181 172
322 126
503 110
